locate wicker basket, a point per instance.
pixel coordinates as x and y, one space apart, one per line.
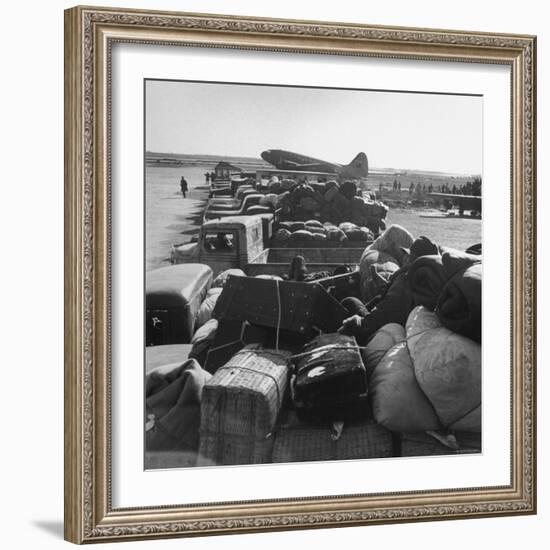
423 444
240 407
299 442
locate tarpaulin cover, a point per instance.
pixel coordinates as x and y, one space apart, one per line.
286 305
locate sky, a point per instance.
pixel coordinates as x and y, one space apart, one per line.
418 131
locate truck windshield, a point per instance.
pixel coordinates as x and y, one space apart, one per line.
221 240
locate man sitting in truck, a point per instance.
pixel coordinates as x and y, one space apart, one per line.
394 303
222 241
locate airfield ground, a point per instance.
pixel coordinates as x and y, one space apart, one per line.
172 219
457 232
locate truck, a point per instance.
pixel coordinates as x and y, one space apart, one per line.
229 209
229 202
227 193
242 242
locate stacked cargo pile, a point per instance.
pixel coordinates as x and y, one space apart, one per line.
295 233
343 204
422 331
382 362
329 202
330 417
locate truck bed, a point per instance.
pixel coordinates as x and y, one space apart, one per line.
276 261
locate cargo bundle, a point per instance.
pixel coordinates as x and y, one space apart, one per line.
330 382
430 381
173 395
315 354
332 202
240 407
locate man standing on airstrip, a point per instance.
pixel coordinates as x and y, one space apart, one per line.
183 186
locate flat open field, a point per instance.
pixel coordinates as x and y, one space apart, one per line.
169 218
458 233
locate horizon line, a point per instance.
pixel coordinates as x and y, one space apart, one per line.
373 168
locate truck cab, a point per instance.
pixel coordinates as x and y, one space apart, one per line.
230 242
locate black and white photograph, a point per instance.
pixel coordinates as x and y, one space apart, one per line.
313 271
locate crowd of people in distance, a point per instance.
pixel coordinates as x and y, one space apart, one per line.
471 188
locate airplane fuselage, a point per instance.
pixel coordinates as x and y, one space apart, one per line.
287 160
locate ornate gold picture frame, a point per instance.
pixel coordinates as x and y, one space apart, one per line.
90 34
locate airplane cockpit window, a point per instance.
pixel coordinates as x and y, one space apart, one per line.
219 241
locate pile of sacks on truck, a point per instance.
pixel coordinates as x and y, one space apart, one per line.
328 202
343 234
286 370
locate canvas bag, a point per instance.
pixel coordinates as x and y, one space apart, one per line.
172 407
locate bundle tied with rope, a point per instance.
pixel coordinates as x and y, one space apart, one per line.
299 308
241 405
329 381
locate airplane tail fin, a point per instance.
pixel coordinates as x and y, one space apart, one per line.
357 168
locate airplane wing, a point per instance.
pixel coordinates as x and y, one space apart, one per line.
455 196
313 166
464 202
